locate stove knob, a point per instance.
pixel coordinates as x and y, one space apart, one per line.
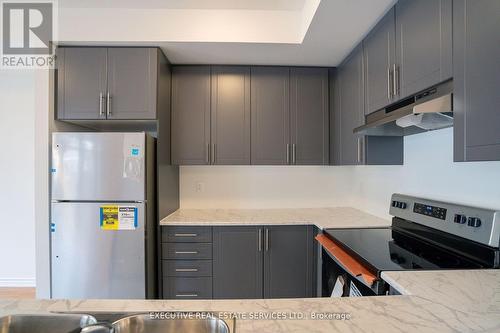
403 205
474 222
460 219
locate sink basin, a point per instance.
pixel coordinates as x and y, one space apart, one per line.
53 323
144 323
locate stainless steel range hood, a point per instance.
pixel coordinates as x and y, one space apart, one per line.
429 110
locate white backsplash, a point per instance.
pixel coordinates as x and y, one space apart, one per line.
429 171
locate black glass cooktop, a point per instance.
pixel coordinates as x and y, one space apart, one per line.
387 249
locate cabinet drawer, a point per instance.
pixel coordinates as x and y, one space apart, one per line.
189 268
186 250
187 287
186 234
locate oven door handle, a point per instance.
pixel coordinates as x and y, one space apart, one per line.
350 264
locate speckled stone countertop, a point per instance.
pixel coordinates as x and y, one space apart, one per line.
331 217
436 301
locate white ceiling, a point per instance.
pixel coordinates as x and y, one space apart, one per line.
272 32
187 4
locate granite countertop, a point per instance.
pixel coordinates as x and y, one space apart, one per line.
436 301
330 217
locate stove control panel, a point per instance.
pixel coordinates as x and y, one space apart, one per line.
477 224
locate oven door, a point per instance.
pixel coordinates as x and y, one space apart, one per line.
338 282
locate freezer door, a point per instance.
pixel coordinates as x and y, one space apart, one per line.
89 262
98 166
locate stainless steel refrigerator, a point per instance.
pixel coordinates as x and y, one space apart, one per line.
103 221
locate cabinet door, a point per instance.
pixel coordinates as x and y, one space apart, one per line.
270 115
237 262
231 115
476 97
379 56
81 83
132 78
191 115
309 116
288 261
351 108
424 44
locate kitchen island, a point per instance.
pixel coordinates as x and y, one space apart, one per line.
434 301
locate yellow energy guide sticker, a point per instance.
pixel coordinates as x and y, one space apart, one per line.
114 217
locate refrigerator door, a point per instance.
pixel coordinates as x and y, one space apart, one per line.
98 166
89 262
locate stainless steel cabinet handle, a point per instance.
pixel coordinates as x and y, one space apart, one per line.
294 154
360 156
186 269
101 108
208 153
185 235
260 240
287 153
213 153
396 80
108 104
267 239
186 252
389 83
186 295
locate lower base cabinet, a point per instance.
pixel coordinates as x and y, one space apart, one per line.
245 262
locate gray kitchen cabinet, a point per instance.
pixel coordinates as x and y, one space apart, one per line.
351 106
95 83
230 115
379 56
288 261
348 113
132 78
81 83
237 262
270 115
309 130
423 45
476 98
191 115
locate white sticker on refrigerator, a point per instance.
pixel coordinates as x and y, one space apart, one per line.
133 158
113 217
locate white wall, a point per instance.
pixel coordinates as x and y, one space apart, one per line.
429 171
17 226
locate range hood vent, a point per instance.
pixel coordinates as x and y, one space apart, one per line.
426 111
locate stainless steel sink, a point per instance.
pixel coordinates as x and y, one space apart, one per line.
165 322
52 323
175 322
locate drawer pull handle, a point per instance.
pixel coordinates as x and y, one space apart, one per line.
185 235
186 252
186 269
186 295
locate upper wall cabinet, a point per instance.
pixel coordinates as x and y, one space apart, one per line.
240 115
379 57
289 116
351 108
191 115
423 45
309 115
211 115
270 115
409 50
476 97
348 113
230 115
107 83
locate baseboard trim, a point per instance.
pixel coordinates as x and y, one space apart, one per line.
17 283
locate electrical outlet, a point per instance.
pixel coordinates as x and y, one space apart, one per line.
200 186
